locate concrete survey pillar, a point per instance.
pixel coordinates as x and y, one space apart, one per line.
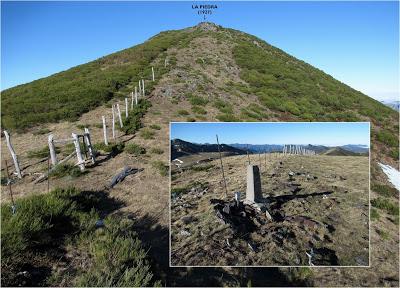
253 192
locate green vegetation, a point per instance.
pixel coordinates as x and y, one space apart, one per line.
182 112
190 119
384 190
374 214
223 106
156 151
227 118
147 134
63 170
112 148
35 237
69 94
388 138
135 149
177 191
161 167
42 152
384 235
199 110
155 127
197 100
133 122
385 204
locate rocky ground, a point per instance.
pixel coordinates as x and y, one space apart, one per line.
321 211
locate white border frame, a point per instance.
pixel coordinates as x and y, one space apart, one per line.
269 266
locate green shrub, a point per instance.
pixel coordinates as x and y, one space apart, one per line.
135 149
197 100
42 152
63 170
199 110
223 106
156 151
388 138
374 214
112 148
190 119
134 120
43 225
385 204
227 118
182 112
161 167
155 127
384 190
147 134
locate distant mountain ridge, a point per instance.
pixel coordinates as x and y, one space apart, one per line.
319 149
392 104
180 148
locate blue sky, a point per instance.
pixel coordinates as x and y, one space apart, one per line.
356 42
331 134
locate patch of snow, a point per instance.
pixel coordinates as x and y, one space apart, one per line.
393 175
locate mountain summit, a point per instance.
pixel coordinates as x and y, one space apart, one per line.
206 73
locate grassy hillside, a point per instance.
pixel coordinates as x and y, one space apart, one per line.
69 94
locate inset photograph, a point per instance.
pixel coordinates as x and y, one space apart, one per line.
269 194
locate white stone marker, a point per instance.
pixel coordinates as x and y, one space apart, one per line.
253 192
104 130
52 149
119 116
13 155
81 163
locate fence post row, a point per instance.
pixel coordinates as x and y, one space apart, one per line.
13 155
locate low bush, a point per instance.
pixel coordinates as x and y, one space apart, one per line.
63 170
113 148
147 134
134 120
384 190
182 112
227 118
385 204
202 167
199 110
161 167
374 214
35 237
135 149
156 151
197 100
155 127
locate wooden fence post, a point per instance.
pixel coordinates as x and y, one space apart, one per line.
222 168
119 116
81 163
104 130
143 88
140 87
52 149
113 122
136 96
126 108
13 155
131 100
86 137
152 73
